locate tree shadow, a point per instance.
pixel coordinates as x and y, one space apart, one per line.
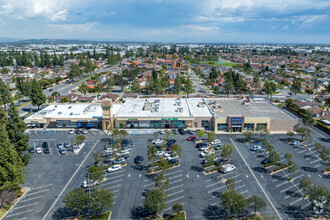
259 169
196 168
214 212
261 156
327 140
63 213
296 212
135 212
292 193
278 177
309 169
139 167
216 194
151 176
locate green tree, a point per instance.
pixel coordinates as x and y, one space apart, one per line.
109 84
288 157
168 134
214 73
177 208
229 86
162 182
155 201
176 149
83 88
324 155
305 133
210 136
233 202
151 152
227 151
102 200
64 99
5 97
230 184
78 140
177 84
256 203
274 157
16 128
37 96
76 200
11 167
315 192
296 86
96 173
290 134
189 88
270 88
305 183
200 133
120 81
55 94
123 134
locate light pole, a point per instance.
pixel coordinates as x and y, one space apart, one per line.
88 182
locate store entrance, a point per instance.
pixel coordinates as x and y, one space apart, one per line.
236 128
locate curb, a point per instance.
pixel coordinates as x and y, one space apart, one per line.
110 215
165 170
19 199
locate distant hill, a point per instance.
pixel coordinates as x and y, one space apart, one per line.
8 39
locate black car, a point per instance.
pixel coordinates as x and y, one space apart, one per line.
174 160
175 131
138 159
31 150
46 150
265 161
182 131
201 145
221 161
77 131
44 145
170 142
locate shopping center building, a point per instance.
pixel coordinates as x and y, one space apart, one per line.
222 115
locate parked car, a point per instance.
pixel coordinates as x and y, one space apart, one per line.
62 151
216 141
89 183
138 159
160 132
60 145
255 148
182 131
265 161
38 151
201 145
114 168
31 150
70 132
191 132
106 154
160 153
46 150
217 147
173 160
77 131
175 131
84 131
67 144
221 161
226 168
191 138
158 141
111 141
122 152
44 145
295 142
121 160
170 142
203 148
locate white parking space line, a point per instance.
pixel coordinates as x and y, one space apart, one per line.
19 213
176 199
169 208
171 194
281 184
173 177
116 181
245 191
274 180
111 174
241 186
167 174
174 187
41 191
113 186
213 190
180 180
287 188
305 206
302 151
296 201
317 165
115 177
24 206
150 184
26 200
314 161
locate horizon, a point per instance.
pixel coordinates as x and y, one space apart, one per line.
181 21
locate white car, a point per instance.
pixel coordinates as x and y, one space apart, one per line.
84 131
70 132
166 155
202 148
295 142
216 141
160 153
226 168
122 152
158 141
38 150
255 148
114 168
92 183
108 150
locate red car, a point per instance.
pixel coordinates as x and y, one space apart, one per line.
191 138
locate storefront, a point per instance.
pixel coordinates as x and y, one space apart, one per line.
162 123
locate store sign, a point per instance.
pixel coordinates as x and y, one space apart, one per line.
236 120
169 119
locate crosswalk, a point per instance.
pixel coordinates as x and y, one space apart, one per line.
39 133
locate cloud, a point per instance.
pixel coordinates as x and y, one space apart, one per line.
59 16
199 28
73 28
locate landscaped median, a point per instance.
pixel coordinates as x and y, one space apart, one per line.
155 168
212 170
279 168
104 216
179 216
7 208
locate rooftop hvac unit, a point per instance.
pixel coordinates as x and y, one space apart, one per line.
59 113
157 100
70 107
156 110
179 103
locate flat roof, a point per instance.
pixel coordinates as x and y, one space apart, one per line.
198 108
255 108
69 111
154 107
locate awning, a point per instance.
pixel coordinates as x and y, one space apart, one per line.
79 125
90 125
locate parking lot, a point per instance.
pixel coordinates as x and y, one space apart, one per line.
50 176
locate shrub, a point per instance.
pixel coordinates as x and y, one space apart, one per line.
279 167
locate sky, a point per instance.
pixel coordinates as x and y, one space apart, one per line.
210 21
